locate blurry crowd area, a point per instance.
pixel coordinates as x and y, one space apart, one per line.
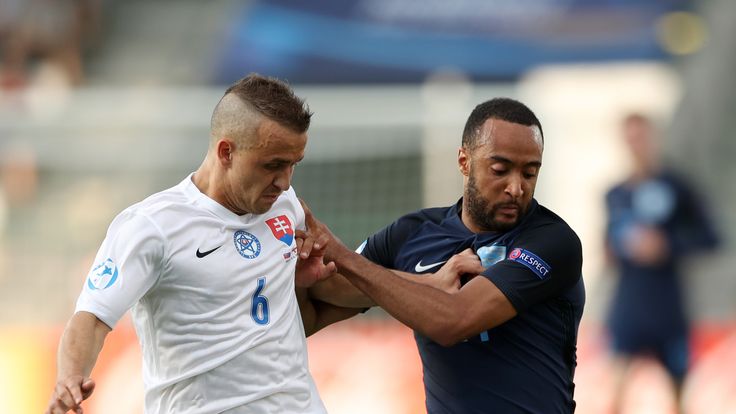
102 104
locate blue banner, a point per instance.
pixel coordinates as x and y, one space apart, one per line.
344 41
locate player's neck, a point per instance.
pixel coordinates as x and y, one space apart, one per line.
204 179
468 221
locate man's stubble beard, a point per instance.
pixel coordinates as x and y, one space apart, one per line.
483 214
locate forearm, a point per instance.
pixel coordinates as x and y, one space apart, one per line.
421 279
317 314
338 291
426 309
80 345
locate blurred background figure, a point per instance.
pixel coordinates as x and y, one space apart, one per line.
41 35
655 221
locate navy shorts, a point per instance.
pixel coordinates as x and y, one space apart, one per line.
672 351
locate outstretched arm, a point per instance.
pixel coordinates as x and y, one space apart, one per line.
337 290
446 318
80 345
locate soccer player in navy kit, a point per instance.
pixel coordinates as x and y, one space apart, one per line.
654 221
503 341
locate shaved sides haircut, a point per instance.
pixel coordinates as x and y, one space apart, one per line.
239 112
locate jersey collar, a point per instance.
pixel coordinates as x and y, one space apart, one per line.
209 204
454 221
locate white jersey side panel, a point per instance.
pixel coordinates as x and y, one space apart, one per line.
213 303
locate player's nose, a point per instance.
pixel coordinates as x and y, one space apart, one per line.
282 181
515 187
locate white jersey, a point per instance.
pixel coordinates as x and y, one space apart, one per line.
213 303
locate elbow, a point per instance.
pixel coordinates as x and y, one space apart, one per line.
447 340
449 332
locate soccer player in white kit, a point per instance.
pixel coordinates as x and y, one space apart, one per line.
208 269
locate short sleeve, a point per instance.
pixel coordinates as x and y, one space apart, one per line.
377 248
383 247
541 264
127 265
299 214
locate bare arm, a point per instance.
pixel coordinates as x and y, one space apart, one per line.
337 290
445 318
310 270
317 314
78 350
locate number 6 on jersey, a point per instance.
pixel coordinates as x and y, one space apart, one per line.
259 310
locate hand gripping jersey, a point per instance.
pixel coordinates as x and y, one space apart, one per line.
213 303
526 364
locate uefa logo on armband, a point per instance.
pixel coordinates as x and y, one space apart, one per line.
103 275
247 244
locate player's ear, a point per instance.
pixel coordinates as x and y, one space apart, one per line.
463 161
225 149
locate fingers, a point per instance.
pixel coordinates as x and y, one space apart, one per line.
308 216
466 262
305 242
69 394
67 398
300 236
62 401
312 245
306 248
88 386
472 266
304 206
330 269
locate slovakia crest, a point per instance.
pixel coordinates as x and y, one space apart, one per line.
282 229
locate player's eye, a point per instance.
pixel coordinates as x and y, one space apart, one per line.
273 166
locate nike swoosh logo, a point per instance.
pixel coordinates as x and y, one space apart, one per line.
203 254
419 268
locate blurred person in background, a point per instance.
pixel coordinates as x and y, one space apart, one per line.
501 339
208 267
655 220
53 31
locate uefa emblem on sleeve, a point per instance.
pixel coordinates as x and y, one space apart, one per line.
247 244
102 275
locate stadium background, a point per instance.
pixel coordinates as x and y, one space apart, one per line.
391 83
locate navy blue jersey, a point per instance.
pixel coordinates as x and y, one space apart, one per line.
526 364
648 304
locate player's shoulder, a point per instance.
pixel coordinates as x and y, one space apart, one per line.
169 201
546 223
419 217
168 205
